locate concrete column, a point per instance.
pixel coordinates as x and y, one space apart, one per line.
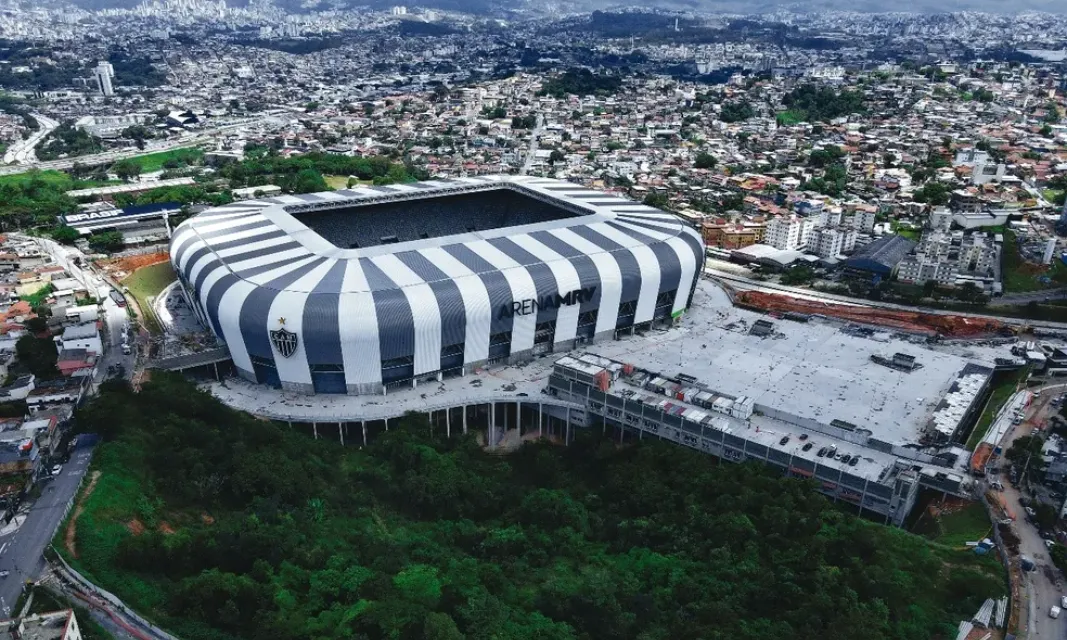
567 432
363 425
492 424
518 418
387 424
315 429
464 419
341 432
540 420
448 423
217 371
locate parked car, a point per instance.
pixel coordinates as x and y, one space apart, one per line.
58 469
1063 601
821 452
807 447
1054 612
803 436
853 461
784 440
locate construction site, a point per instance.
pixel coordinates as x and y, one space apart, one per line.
948 326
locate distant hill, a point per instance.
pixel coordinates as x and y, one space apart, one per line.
749 7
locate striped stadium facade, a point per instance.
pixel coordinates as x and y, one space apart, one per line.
298 312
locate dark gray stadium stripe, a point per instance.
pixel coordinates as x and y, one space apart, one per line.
628 268
320 325
229 244
194 257
422 185
598 201
264 252
583 264
449 299
384 189
376 278
672 230
645 239
670 270
544 280
212 264
254 322
421 266
255 271
214 298
259 224
396 324
496 285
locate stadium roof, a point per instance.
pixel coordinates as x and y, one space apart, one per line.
265 242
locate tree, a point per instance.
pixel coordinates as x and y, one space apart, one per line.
705 161
107 241
556 156
127 169
65 234
933 193
657 200
308 181
38 355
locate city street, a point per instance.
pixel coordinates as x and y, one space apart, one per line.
21 552
1045 592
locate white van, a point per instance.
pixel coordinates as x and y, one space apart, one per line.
1054 612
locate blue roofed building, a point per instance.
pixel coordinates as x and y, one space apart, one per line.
879 260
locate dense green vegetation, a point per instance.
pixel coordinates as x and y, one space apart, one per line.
248 529
173 159
68 141
812 102
106 241
263 166
145 284
580 82
38 356
933 193
736 111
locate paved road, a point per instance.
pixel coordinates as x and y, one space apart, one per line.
109 157
1044 591
21 552
534 142
1033 296
23 151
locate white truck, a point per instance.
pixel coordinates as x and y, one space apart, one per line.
1054 612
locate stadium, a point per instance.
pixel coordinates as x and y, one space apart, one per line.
363 290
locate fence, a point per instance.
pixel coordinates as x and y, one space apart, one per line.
1019 611
76 578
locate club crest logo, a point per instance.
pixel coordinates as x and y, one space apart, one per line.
284 341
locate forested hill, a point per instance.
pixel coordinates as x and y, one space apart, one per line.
222 526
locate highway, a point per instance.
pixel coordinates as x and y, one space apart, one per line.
22 551
190 140
739 282
23 151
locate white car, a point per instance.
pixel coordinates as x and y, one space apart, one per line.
1063 601
58 469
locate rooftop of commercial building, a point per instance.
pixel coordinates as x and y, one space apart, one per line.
813 370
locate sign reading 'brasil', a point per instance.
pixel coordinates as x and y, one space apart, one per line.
550 301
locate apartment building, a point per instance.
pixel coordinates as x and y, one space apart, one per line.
830 243
732 235
944 256
789 233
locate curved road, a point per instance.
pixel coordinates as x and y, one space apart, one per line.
23 151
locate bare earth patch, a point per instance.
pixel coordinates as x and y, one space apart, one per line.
72 526
136 527
166 529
